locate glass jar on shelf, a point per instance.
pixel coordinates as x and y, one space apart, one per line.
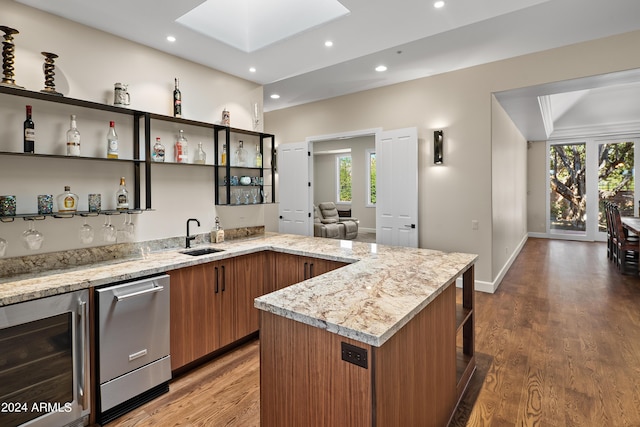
201 156
241 155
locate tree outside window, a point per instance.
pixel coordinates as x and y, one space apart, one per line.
371 177
344 178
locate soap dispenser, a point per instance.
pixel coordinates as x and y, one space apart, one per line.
217 235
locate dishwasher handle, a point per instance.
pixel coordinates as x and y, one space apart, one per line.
136 294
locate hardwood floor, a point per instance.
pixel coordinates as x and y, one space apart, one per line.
557 345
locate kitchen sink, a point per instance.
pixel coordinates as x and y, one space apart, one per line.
201 251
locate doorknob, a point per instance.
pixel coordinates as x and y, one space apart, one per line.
410 225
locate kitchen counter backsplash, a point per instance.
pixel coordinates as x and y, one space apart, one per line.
33 264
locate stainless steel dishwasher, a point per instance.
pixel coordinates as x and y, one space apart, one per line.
134 365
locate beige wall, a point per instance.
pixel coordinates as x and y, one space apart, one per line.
460 102
508 189
90 63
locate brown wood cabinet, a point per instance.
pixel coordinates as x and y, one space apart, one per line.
414 379
289 269
212 306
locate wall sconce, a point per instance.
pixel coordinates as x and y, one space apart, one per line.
438 147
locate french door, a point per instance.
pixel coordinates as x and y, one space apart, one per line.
582 177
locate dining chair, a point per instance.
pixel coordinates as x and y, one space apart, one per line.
626 249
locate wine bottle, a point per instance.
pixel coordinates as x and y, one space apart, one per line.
177 101
122 196
258 157
112 141
73 138
29 133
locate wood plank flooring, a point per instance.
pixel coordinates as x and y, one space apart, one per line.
557 345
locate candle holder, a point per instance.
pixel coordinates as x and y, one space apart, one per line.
49 73
8 56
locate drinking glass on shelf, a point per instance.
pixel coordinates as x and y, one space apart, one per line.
108 230
32 238
3 246
254 195
237 195
246 197
86 233
265 195
126 231
129 226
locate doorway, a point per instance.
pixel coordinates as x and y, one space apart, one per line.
341 174
582 177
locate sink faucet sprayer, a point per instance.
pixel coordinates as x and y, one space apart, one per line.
190 238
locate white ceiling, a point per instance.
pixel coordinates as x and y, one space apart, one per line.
411 37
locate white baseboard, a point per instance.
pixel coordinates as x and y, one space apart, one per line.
366 230
491 287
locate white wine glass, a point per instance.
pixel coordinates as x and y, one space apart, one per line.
265 196
129 226
125 232
108 230
86 233
32 238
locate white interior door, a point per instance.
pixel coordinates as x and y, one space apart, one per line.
397 187
293 181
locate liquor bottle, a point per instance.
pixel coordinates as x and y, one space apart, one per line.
157 155
258 157
73 138
122 196
201 156
181 149
177 101
241 155
29 133
223 156
67 201
112 141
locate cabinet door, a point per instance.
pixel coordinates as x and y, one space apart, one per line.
188 311
317 266
287 270
248 280
223 303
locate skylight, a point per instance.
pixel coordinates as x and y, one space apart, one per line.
250 25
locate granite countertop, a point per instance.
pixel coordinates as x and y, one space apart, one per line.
368 300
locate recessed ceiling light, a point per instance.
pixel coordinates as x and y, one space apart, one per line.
171 39
438 4
328 43
252 69
381 68
275 96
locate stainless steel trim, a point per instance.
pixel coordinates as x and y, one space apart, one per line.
133 383
135 294
137 354
83 380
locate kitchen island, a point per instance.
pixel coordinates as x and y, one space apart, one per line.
371 344
397 304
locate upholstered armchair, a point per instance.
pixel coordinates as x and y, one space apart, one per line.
327 215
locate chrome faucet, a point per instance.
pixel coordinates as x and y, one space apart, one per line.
190 238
